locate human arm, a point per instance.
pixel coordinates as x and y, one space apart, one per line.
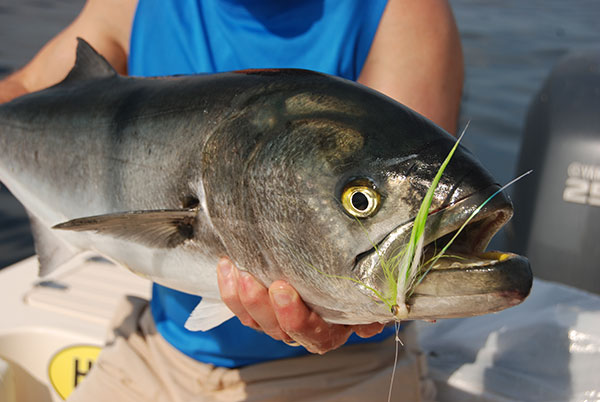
416 58
105 24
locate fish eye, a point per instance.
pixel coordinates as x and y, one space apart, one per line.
360 199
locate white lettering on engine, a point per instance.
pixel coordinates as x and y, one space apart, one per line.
583 184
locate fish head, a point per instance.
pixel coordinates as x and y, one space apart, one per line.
335 174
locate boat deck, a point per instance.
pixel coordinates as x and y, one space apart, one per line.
42 318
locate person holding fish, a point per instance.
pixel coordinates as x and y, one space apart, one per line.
408 50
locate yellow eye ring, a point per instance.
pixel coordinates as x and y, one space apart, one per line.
360 201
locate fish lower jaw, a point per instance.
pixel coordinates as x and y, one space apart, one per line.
438 307
486 283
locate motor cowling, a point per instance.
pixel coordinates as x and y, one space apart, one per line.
557 209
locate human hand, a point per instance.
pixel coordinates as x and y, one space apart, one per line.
280 312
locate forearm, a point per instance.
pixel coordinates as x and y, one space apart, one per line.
11 87
105 24
416 58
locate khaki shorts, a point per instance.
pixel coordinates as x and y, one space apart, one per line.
139 365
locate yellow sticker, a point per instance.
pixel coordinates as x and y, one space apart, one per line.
69 366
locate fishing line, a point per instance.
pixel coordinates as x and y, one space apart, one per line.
398 342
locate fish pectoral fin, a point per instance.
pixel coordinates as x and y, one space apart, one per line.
209 313
52 251
167 228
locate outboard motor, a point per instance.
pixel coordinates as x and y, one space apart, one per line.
557 208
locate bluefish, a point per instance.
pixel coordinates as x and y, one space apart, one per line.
293 174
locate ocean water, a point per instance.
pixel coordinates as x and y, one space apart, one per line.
509 48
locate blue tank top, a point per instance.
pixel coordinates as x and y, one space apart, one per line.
208 36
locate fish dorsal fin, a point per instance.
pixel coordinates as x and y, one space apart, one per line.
88 64
52 251
165 228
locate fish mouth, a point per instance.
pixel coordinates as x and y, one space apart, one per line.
466 280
